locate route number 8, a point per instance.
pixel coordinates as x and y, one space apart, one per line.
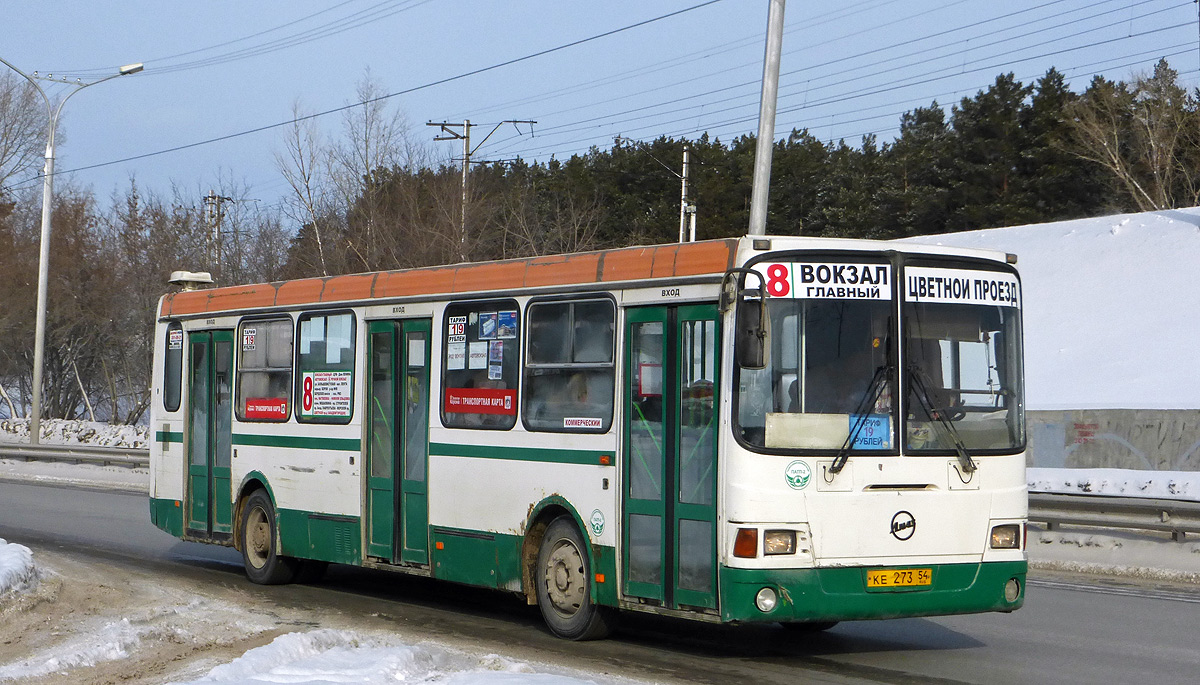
778 280
307 399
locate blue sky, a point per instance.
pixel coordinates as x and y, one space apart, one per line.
220 67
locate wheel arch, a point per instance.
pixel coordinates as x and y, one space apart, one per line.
254 480
540 516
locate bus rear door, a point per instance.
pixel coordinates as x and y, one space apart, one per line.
670 455
210 385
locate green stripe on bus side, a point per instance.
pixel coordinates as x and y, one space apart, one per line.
298 442
168 436
557 456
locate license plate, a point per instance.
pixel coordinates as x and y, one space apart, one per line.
907 577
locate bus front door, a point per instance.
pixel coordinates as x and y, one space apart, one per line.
210 386
398 441
670 456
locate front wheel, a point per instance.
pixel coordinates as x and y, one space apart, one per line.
260 554
564 585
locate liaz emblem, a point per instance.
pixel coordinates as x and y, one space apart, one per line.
903 525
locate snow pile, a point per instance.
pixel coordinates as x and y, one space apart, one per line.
17 572
338 656
61 432
1181 485
1109 308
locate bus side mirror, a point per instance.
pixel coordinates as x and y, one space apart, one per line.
750 338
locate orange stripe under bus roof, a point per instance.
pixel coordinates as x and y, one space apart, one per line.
609 266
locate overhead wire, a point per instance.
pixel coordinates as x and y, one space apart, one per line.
448 79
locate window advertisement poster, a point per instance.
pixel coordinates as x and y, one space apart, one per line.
496 352
488 321
506 325
325 394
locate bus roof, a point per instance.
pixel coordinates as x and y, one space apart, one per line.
709 257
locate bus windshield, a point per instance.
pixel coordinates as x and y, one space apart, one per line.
828 365
963 375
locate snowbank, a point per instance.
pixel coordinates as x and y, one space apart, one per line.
1110 308
329 656
1181 485
17 572
61 432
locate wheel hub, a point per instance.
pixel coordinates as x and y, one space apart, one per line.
565 582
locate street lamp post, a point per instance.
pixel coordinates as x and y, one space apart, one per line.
39 339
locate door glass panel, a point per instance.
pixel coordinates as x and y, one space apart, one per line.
222 401
695 555
200 403
646 433
382 403
645 549
416 411
697 448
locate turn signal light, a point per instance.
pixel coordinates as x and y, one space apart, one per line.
745 545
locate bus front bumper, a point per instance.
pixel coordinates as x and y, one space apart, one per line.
841 594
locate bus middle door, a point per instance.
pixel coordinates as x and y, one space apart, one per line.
670 455
398 441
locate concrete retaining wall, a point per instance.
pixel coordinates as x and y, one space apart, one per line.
1145 439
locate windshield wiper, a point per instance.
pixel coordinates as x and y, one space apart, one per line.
865 403
921 390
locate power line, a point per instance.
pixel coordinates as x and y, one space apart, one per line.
431 84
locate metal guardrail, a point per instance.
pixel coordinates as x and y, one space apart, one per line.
77 454
1177 517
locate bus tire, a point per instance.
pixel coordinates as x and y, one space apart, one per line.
260 554
564 585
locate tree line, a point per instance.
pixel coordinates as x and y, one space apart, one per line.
367 195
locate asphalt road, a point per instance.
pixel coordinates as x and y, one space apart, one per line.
1071 630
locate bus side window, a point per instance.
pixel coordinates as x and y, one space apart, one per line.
569 373
480 364
264 379
173 368
325 368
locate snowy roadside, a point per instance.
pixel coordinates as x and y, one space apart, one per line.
67 619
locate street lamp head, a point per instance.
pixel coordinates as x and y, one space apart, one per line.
131 68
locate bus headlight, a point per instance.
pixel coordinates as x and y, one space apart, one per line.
1007 536
779 542
766 600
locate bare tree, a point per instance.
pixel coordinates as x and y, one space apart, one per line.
23 124
551 224
1144 134
303 166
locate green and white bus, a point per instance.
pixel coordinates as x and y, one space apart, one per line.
764 429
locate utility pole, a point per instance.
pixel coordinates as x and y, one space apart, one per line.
451 133
765 145
687 212
213 214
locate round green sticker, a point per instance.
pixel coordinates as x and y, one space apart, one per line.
797 474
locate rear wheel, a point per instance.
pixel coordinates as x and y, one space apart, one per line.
564 585
260 553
